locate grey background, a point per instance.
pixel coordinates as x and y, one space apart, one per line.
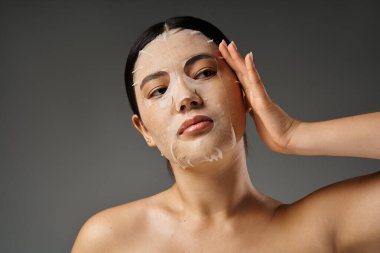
67 145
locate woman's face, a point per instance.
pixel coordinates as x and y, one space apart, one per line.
189 99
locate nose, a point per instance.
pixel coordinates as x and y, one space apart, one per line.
190 103
189 100
185 97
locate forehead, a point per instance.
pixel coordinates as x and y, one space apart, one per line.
171 49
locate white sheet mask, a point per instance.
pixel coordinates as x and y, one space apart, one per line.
169 54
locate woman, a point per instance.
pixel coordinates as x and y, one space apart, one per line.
190 89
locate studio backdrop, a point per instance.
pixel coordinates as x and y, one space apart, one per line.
68 148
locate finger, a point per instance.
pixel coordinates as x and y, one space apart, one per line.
236 61
257 88
246 72
237 58
223 48
251 69
248 76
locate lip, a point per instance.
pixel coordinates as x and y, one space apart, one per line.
195 124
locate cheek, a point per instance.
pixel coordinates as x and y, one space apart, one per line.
231 88
152 120
149 117
234 103
156 121
146 110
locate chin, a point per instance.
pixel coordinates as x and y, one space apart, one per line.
207 148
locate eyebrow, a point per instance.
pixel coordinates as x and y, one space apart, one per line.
152 77
198 57
189 62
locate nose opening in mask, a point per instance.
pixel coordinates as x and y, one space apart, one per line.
187 97
189 104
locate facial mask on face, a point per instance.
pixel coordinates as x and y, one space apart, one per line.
187 82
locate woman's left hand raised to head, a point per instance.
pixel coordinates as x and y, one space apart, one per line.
355 136
274 126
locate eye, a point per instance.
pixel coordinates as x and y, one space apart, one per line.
205 74
157 92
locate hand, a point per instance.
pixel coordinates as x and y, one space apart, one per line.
274 126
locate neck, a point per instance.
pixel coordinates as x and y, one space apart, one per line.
215 188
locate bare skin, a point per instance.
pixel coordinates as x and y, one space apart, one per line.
216 208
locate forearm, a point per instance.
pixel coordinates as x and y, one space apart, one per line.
355 136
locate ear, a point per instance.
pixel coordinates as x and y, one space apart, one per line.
143 131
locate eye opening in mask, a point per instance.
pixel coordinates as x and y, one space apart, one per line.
159 90
153 91
154 83
197 63
211 72
200 67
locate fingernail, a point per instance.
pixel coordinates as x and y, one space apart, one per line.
233 43
251 55
224 43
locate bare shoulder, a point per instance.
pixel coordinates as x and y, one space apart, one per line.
322 213
113 228
328 201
